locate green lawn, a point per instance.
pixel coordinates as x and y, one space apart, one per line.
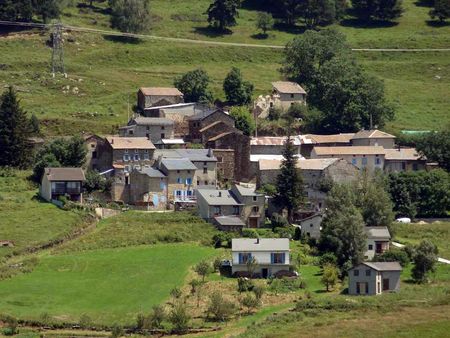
137 228
27 221
110 286
437 232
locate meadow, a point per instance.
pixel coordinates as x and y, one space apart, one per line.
26 220
109 286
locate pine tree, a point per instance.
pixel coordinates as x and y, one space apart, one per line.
289 182
15 150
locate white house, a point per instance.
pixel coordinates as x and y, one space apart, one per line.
271 255
377 241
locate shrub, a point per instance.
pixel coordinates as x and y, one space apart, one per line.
179 318
250 302
258 290
117 331
327 258
203 268
11 326
286 284
249 233
157 317
244 284
393 255
278 221
85 321
285 232
220 308
176 293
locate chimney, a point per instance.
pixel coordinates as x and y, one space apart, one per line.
257 240
210 152
220 194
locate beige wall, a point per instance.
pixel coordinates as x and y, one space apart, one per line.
154 132
398 166
358 160
45 189
387 143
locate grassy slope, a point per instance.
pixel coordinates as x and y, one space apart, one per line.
437 232
111 286
25 220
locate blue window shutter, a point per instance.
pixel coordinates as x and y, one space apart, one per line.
272 258
240 258
283 258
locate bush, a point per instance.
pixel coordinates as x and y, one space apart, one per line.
245 284
85 321
11 326
117 331
393 255
285 232
179 318
327 258
157 317
278 221
258 291
249 233
286 284
176 293
250 302
220 308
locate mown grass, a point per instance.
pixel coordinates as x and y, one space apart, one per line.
437 232
187 19
138 228
111 286
26 220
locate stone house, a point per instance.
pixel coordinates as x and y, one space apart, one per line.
180 174
272 145
153 128
271 255
404 159
335 140
204 119
225 164
95 146
158 96
58 182
286 93
149 189
205 172
311 226
377 241
374 278
363 157
373 137
253 205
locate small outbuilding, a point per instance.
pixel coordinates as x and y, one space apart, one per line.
374 278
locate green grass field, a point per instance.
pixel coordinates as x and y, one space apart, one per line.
110 286
437 232
25 220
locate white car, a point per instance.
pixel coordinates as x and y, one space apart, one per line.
403 220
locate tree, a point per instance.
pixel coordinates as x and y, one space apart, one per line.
343 97
373 200
94 181
220 308
157 316
329 276
243 120
196 288
223 13
47 9
436 147
318 12
130 16
237 91
343 228
15 150
424 260
441 10
34 124
289 182
251 264
203 268
377 9
290 11
194 86
250 302
16 10
264 22
179 318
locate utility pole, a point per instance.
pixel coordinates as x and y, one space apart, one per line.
57 50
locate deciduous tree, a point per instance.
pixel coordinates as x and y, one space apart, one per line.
329 276
243 120
47 9
436 147
130 16
377 9
264 22
194 86
237 91
441 10
222 13
424 259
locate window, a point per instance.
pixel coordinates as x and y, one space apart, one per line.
368 272
206 182
163 135
92 145
292 96
178 171
189 193
370 246
126 168
364 161
130 132
179 193
126 151
235 210
72 185
188 171
355 273
198 182
255 198
136 157
219 159
205 163
205 170
188 181
354 161
415 167
403 166
377 161
136 151
311 225
255 210
244 257
146 157
126 157
94 154
278 257
179 180
148 127
217 210
162 127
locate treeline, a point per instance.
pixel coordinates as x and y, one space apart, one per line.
25 10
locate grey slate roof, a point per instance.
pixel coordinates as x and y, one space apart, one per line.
218 197
384 266
152 172
378 232
229 220
194 155
64 174
178 164
152 121
246 191
265 244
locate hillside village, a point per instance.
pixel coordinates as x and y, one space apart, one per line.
281 213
